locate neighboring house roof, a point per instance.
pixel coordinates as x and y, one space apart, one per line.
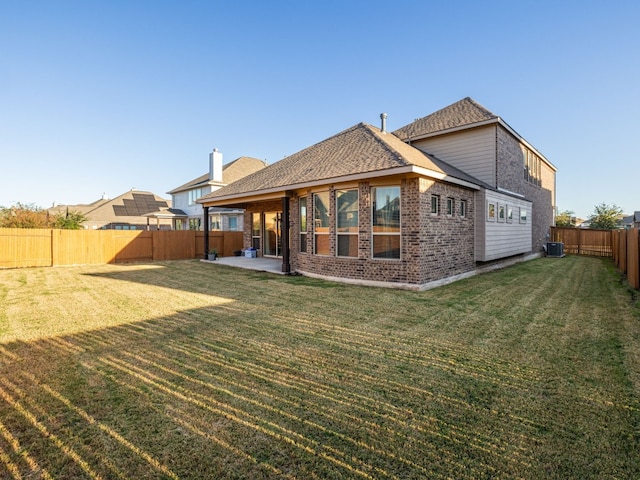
461 115
631 219
130 207
231 172
362 151
81 208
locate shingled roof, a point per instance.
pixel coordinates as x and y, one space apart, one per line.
359 150
231 172
462 113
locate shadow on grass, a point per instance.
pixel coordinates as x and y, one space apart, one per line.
209 394
253 388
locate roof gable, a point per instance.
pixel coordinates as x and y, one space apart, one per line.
361 149
241 167
232 171
462 113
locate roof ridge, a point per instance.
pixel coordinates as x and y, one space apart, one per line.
378 135
463 113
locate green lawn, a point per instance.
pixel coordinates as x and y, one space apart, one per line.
194 371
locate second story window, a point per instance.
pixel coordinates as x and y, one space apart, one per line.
194 195
532 168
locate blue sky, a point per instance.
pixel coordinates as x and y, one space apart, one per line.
107 96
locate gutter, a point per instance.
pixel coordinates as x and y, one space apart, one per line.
425 172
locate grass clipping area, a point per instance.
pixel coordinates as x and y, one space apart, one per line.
186 370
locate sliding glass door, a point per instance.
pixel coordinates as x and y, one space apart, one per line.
272 232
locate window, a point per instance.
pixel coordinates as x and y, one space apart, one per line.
491 212
215 222
463 208
255 230
501 213
347 223
523 215
233 223
450 206
509 214
303 225
321 223
532 168
194 223
194 195
386 222
435 204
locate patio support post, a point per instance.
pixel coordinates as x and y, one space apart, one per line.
206 232
286 265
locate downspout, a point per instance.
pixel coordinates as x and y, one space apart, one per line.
286 265
206 232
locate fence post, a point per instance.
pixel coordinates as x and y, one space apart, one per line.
633 254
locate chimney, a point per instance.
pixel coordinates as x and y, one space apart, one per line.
215 166
383 127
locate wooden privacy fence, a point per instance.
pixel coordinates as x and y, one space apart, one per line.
44 247
583 241
622 245
626 254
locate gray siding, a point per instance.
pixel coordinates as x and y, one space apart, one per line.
472 151
497 238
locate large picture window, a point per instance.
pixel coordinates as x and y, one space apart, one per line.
386 222
347 222
321 223
303 225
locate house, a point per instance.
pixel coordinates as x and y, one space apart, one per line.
631 221
132 210
431 202
184 197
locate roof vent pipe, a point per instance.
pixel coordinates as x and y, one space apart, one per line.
383 127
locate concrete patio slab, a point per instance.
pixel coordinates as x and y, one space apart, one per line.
263 264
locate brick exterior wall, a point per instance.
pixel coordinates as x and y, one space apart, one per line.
510 176
433 247
447 242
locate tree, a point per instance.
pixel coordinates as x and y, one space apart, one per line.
71 220
605 216
565 218
24 216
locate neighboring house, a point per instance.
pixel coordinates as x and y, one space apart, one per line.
428 203
133 210
631 221
184 197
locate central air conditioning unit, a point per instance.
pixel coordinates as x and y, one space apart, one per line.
555 249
